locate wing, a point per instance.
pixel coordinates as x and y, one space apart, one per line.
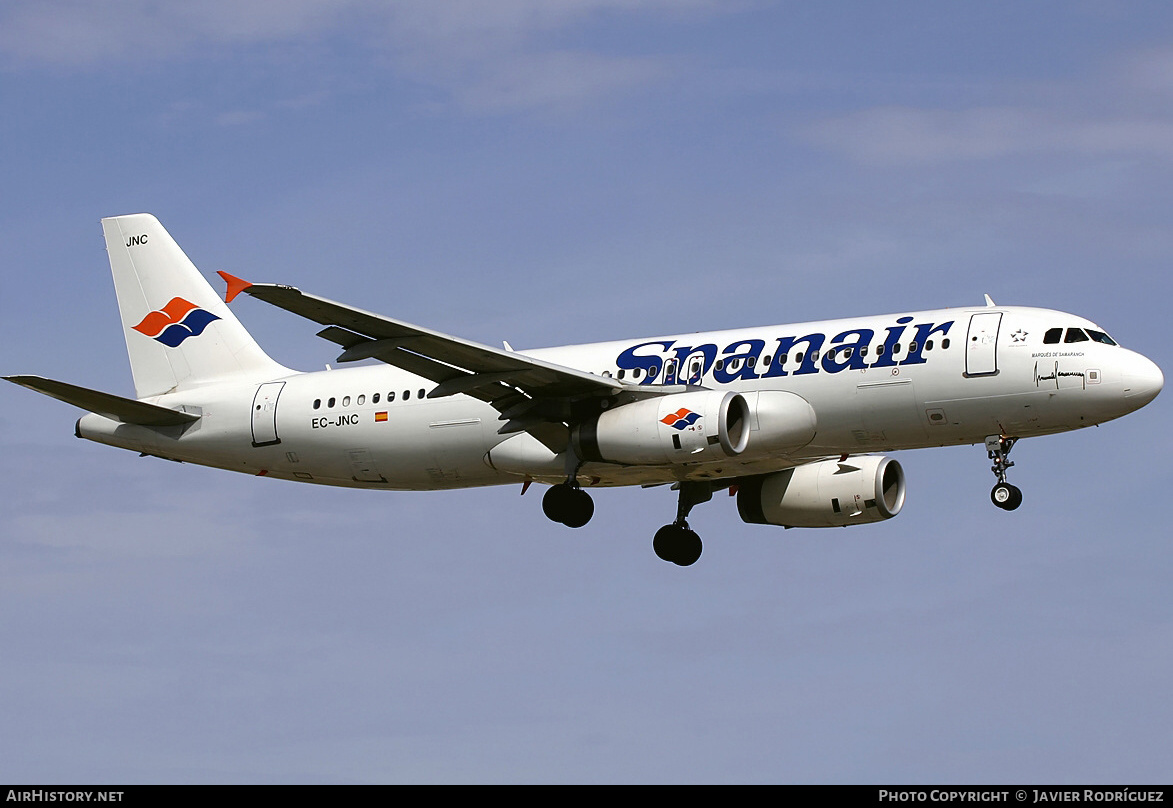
538 397
116 408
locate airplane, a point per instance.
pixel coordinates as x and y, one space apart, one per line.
789 418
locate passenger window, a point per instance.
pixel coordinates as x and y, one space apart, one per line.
422 393
912 347
330 403
863 351
621 373
406 395
720 364
361 400
390 396
928 345
375 398
945 344
317 403
346 401
1052 336
635 373
1075 335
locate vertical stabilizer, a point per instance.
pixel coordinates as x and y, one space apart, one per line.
179 333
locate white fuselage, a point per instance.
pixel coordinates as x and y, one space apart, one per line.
903 381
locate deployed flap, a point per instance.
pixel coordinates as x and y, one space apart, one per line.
116 408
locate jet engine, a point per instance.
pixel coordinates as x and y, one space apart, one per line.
826 493
679 428
780 423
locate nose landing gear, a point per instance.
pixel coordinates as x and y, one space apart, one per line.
1004 495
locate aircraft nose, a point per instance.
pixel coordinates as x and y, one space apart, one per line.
1142 380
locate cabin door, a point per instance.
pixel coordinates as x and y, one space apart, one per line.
981 345
265 414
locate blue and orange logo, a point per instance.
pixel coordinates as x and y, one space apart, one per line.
681 419
175 322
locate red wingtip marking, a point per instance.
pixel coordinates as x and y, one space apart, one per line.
235 285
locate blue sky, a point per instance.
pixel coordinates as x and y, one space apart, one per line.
555 172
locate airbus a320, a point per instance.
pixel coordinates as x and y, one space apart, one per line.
788 417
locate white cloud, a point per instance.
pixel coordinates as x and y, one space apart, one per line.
239 117
1118 111
552 79
902 135
74 33
486 55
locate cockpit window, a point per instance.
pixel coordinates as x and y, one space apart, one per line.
1100 336
1055 335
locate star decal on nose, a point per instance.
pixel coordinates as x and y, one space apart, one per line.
1019 336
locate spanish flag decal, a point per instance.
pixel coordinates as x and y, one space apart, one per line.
380 416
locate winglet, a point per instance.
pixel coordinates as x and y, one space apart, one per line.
235 285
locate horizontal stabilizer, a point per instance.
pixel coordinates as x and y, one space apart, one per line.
117 408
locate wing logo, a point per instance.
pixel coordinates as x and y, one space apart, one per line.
175 322
681 419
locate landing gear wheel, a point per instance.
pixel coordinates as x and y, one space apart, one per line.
580 508
663 542
689 549
568 505
678 544
1006 496
555 500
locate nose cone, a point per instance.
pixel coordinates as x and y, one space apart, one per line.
1142 381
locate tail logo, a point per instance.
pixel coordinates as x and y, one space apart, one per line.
175 322
681 419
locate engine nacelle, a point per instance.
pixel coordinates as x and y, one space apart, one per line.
780 423
826 493
679 428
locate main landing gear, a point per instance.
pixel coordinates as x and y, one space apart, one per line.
569 504
677 542
1004 495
